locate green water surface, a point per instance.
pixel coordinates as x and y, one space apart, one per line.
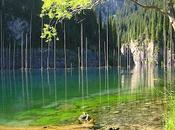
37 97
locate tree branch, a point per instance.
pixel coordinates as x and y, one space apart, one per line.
150 7
138 3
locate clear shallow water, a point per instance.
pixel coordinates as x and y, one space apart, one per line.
21 91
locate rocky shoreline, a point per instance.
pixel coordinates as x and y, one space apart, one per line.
144 115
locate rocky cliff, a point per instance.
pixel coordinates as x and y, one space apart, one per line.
142 52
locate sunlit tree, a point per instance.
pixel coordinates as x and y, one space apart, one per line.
58 10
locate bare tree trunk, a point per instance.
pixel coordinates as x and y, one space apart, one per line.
171 13
172 21
173 24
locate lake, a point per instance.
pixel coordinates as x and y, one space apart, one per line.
22 91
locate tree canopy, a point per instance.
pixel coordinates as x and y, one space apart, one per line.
57 10
63 8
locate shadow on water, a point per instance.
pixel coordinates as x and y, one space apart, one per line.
32 89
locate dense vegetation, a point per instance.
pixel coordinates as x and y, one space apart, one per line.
131 21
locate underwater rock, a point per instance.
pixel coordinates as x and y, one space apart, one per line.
85 118
113 128
106 107
98 126
116 112
17 26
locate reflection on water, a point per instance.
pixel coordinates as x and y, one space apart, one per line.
23 90
144 77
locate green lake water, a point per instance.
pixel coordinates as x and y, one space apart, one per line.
22 91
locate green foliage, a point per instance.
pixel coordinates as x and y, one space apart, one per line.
58 10
63 9
48 32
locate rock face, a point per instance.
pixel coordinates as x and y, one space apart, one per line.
109 7
142 52
17 27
